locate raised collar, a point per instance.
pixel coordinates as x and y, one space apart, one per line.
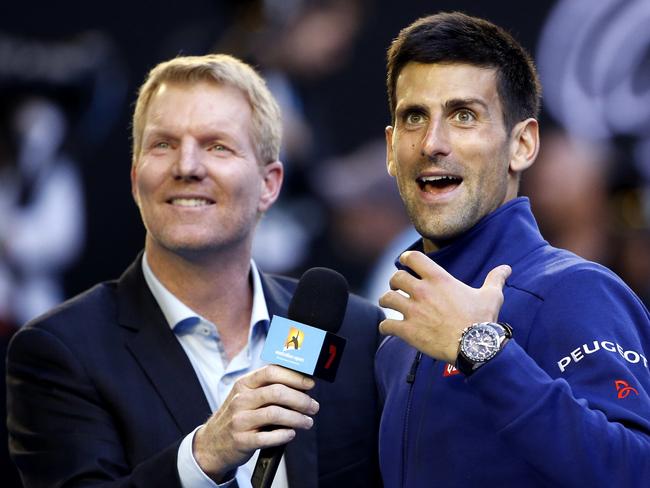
504 236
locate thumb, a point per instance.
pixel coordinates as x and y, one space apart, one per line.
497 277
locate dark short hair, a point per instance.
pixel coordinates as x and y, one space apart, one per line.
453 37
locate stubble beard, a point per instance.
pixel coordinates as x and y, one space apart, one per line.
440 225
224 238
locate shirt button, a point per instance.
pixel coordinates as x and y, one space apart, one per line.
227 379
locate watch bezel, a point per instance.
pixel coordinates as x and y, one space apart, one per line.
468 363
467 347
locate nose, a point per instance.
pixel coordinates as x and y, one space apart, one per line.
436 142
189 164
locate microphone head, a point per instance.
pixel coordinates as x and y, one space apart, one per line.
320 299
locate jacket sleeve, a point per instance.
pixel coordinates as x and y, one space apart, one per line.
61 432
573 400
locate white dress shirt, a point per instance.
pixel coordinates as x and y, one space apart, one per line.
202 344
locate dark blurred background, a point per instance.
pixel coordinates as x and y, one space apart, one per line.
69 72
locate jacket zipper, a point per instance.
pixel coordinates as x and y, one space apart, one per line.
410 379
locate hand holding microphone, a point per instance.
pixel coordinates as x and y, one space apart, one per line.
266 406
268 396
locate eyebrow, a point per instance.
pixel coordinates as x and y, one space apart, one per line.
207 136
156 132
456 103
411 107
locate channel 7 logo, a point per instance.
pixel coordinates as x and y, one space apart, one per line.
330 357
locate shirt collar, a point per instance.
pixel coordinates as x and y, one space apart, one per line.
176 312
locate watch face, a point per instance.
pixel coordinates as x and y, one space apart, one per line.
480 343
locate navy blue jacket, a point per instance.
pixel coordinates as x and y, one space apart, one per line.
101 393
564 404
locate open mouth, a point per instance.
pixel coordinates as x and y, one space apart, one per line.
438 184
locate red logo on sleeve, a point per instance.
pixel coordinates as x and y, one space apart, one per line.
449 370
624 389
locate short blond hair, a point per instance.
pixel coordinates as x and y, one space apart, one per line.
219 69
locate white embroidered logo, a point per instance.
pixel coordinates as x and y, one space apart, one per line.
579 353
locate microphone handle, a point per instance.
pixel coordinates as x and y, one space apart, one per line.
266 466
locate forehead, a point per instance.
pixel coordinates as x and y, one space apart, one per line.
197 103
430 84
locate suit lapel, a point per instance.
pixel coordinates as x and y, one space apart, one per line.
301 454
158 352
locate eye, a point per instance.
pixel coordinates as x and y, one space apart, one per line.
464 116
217 147
159 146
414 118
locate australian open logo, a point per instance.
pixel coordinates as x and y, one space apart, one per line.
294 339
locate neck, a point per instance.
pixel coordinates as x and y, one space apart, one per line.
433 245
217 287
430 246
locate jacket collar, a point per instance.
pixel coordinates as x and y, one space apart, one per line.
504 236
158 352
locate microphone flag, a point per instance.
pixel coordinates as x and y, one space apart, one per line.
303 348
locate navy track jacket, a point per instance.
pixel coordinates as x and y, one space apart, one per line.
566 403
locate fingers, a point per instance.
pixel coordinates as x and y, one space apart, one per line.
424 266
392 327
497 277
402 280
273 374
271 396
395 300
275 437
243 398
272 415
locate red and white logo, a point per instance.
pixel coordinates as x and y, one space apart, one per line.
450 370
624 389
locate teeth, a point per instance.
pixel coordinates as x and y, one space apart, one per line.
190 202
429 179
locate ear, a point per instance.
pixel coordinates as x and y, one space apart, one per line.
524 145
272 176
390 158
134 186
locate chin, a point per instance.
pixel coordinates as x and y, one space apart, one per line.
442 234
184 244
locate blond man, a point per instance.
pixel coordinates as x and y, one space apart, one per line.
155 379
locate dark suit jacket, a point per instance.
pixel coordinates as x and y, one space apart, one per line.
101 392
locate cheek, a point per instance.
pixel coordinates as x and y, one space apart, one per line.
481 157
241 184
406 154
144 185
147 181
492 170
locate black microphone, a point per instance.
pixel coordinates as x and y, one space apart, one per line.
320 301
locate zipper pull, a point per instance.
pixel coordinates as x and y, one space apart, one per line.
410 378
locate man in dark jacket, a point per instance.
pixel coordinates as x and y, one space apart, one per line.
156 379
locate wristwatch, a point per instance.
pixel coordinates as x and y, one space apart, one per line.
479 343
